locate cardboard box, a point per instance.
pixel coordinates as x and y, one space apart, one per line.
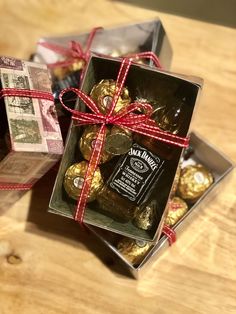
29 130
220 166
143 82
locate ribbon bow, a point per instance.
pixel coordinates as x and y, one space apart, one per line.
73 52
139 123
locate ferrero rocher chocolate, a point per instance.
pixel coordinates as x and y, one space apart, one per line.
74 178
146 217
118 141
103 92
61 72
176 209
87 142
77 65
133 250
115 53
194 181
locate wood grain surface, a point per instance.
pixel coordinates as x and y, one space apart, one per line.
49 266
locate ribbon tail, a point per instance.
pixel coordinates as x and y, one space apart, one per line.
170 234
150 55
93 163
15 187
90 39
87 100
123 71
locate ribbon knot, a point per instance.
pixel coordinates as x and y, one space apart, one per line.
73 52
76 50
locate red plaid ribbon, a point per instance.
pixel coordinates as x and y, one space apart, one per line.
73 52
139 123
170 234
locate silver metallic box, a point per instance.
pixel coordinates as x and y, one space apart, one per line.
218 164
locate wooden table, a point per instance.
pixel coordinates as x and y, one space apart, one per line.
60 269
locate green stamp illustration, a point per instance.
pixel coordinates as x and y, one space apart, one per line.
25 131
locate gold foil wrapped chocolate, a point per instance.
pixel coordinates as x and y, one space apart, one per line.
74 178
61 72
176 209
146 217
133 250
194 181
87 141
103 92
115 53
176 181
118 141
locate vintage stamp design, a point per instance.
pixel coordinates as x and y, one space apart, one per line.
18 105
15 81
21 105
49 116
55 146
40 79
10 63
25 131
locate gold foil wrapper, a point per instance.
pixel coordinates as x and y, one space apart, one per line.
194 181
74 178
61 72
115 53
176 181
79 64
176 209
87 142
146 218
119 141
133 250
103 92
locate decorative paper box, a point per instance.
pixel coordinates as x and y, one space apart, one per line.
142 82
30 136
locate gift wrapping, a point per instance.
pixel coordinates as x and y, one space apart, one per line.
29 127
147 83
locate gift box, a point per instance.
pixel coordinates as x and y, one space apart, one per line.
116 41
30 136
123 40
142 82
221 168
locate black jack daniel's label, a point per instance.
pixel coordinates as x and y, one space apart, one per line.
136 173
